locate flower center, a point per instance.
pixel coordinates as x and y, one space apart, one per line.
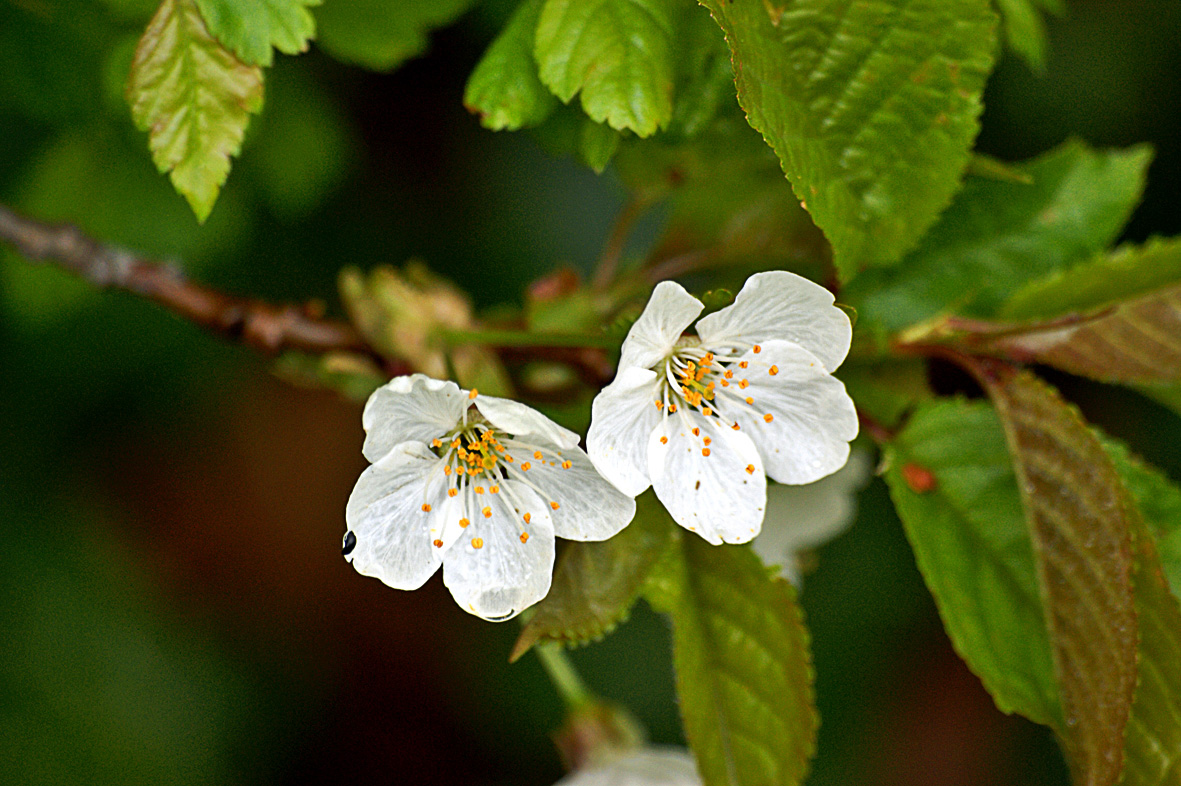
700 378
477 459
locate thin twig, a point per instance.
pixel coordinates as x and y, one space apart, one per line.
617 241
268 327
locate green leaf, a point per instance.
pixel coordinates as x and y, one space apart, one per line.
195 100
595 584
998 235
1025 31
886 390
597 143
1127 272
250 28
744 673
1154 731
871 107
504 89
382 34
705 78
1081 520
1138 341
1165 395
618 53
972 546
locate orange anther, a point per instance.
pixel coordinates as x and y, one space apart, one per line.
487 513
725 384
528 517
768 417
749 400
729 374
707 411
672 408
707 440
757 349
537 455
660 405
436 443
735 427
696 431
426 508
452 492
438 544
566 464
743 383
524 537
509 459
477 543
473 394
705 451
464 523
750 469
554 505
447 470
479 489
773 370
526 466
495 489
743 364
664 440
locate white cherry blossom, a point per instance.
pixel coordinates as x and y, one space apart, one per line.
650 766
705 418
801 518
477 484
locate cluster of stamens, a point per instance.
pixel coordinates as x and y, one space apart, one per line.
476 460
698 379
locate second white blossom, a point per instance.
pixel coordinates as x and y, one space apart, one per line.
705 419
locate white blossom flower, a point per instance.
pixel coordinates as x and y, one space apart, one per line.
704 419
652 766
801 518
477 484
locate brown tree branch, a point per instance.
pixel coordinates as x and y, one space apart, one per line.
268 327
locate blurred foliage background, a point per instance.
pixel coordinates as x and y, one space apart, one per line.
173 606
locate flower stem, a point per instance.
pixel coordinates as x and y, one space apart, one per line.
523 338
561 672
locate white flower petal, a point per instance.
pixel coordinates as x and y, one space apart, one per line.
393 541
669 311
503 576
623 416
415 408
782 305
813 418
589 507
719 496
523 421
803 517
643 767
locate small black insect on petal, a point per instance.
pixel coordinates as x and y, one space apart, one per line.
350 543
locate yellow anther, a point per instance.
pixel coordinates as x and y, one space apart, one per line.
495 489
773 370
528 517
464 523
750 469
426 508
664 440
707 411
479 489
477 543
473 394
768 417
524 537
452 492
438 544
554 505
566 464
455 442
757 349
749 400
526 466
660 405
487 513
447 470
705 451
672 408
